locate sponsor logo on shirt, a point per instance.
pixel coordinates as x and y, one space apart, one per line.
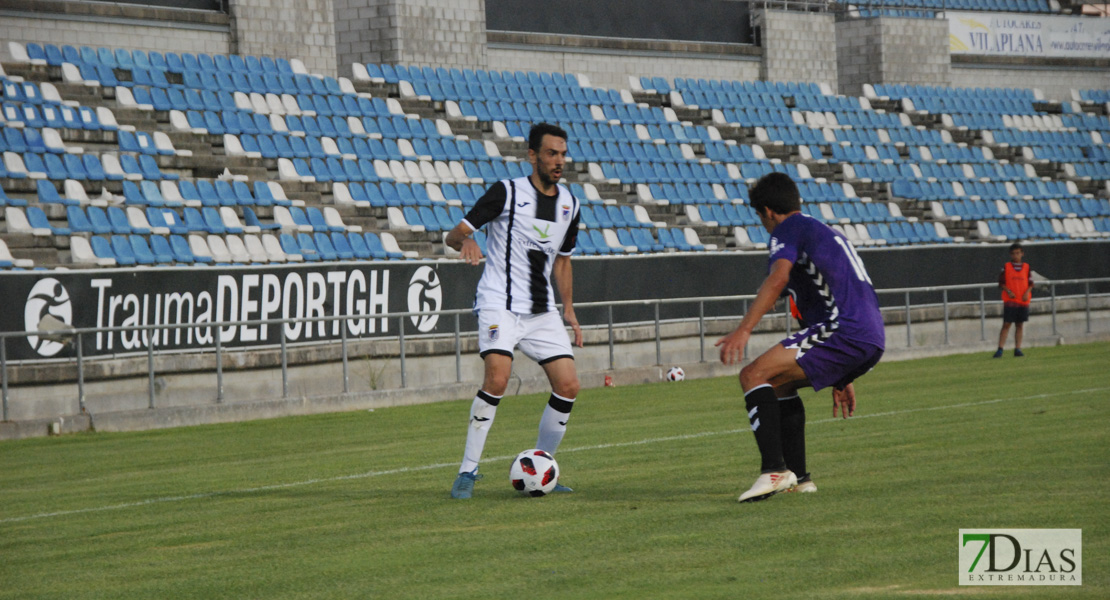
776 245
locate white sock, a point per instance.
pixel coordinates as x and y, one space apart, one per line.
482 412
553 423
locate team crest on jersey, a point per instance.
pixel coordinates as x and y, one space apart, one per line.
566 211
494 333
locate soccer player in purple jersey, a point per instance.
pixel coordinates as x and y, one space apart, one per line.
844 337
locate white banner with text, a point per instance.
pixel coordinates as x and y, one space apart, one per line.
1012 34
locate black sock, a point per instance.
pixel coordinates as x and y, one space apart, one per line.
763 414
793 421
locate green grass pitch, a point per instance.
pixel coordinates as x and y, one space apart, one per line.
356 505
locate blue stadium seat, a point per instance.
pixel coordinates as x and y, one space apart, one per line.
121 250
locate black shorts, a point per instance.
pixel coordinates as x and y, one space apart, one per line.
1015 314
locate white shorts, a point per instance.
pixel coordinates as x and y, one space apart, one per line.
542 337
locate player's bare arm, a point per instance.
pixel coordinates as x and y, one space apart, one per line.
732 345
459 239
564 281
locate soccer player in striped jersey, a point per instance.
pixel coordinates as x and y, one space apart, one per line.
843 338
532 226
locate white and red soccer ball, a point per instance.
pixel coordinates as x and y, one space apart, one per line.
534 472
675 374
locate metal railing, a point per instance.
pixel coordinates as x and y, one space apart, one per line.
907 306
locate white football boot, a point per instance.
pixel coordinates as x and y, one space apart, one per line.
769 484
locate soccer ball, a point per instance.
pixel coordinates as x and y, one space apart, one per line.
534 472
675 374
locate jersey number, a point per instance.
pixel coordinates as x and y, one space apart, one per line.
854 258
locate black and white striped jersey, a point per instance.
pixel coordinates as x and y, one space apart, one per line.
525 231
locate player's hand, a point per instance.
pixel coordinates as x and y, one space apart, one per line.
470 251
846 400
1011 294
732 346
572 320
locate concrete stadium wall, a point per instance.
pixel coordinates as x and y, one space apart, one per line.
115 25
279 28
891 50
798 46
303 29
608 63
438 33
1056 79
328 35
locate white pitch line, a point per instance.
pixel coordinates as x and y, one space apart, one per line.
369 474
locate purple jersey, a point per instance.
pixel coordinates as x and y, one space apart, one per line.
828 281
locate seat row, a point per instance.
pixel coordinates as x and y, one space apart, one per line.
855 154
1024 229
779 88
82 167
526 111
249 122
291 146
626 152
396 73
593 242
164 220
197 249
609 216
634 172
1017 6
124 59
424 218
988 190
477 92
59 116
1016 137
975 210
232 99
385 194
693 193
167 193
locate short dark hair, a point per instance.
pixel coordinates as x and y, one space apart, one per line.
535 135
777 192
1016 246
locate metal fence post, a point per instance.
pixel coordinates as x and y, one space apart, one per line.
701 330
945 301
744 311
982 316
80 375
909 330
401 340
343 347
219 366
1053 289
458 351
611 349
658 341
150 370
4 372
1087 298
284 365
